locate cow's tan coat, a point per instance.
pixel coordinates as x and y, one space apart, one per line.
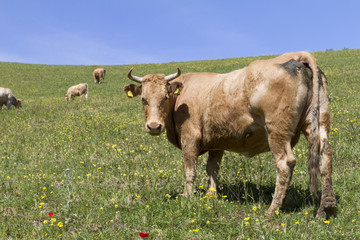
262 107
7 98
99 75
77 90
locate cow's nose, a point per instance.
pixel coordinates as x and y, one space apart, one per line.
154 127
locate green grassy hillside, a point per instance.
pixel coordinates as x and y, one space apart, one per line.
91 164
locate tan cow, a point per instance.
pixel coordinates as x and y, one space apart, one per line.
262 107
7 98
77 90
99 75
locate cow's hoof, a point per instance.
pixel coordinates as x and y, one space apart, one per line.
327 207
326 212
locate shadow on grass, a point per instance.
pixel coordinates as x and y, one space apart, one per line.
249 193
246 192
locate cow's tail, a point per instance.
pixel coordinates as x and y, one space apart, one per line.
314 138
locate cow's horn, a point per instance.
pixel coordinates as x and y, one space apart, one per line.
173 76
134 78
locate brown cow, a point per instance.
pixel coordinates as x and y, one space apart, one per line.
77 90
262 107
7 98
99 75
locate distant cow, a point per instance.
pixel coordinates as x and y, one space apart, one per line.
7 98
77 90
262 107
99 75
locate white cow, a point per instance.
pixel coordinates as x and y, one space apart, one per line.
77 90
7 98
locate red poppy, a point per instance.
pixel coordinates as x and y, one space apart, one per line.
51 214
23 197
143 234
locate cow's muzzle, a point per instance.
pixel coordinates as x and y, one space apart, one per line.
154 128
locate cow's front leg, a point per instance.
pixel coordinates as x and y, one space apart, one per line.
213 167
191 153
285 163
190 173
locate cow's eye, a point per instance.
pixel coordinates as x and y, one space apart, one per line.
144 102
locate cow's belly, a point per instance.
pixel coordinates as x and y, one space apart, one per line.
249 142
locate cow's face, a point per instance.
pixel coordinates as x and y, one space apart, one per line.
155 93
18 103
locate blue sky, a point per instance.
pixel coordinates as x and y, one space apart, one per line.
117 32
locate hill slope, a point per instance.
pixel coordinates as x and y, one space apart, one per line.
91 164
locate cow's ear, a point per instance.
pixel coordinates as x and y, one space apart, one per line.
132 90
175 88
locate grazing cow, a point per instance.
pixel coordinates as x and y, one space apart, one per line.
99 75
262 107
77 90
7 98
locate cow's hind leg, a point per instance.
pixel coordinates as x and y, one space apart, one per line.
328 200
280 146
213 166
320 161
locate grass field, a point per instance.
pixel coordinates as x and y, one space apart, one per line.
87 170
